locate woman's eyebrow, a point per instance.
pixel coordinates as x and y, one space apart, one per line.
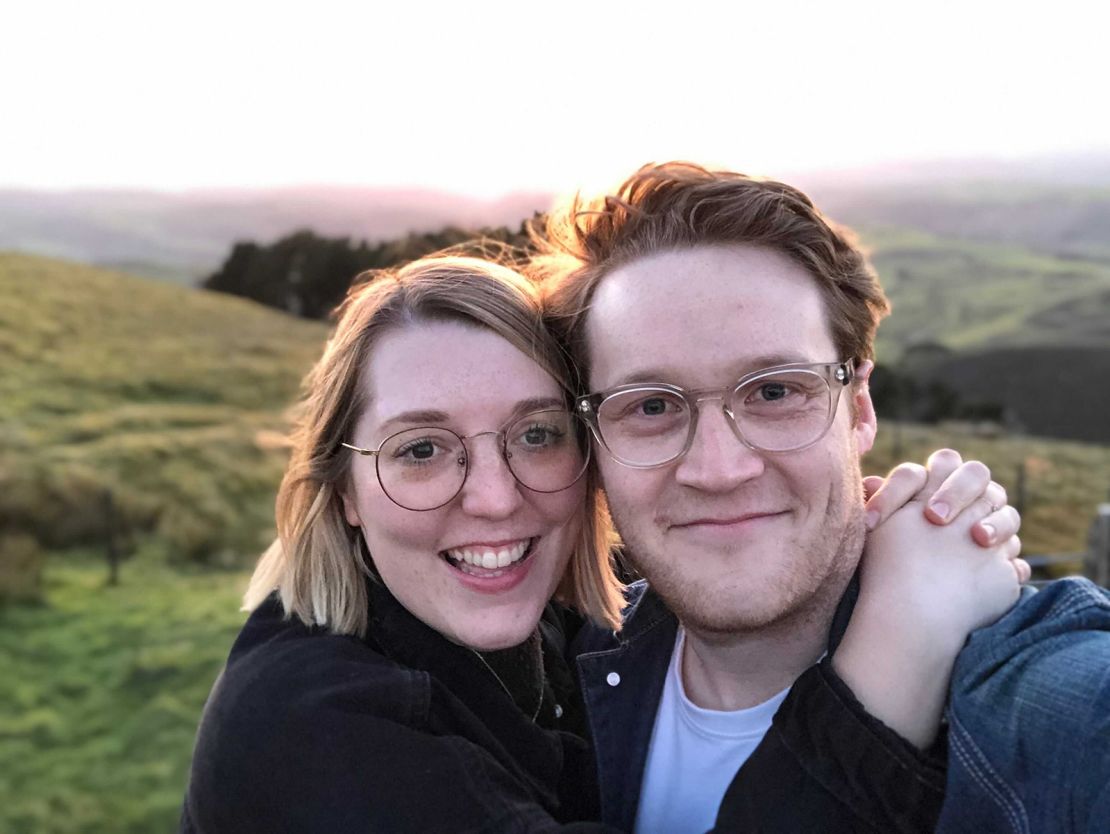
431 417
538 404
421 417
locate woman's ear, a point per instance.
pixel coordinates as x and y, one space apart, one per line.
350 507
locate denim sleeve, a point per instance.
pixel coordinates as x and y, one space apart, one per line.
1029 718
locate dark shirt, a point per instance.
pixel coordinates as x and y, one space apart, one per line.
825 765
306 731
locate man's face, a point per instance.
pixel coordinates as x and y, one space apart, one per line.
733 539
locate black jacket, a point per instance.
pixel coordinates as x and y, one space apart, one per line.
306 731
824 766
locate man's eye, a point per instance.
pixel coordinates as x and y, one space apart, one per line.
653 407
772 391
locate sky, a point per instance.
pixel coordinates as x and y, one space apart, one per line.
485 98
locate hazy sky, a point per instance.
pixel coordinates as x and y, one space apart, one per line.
489 97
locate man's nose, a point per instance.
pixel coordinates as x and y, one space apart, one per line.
717 461
491 490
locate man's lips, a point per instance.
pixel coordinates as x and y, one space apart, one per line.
712 522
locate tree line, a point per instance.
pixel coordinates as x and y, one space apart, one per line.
308 275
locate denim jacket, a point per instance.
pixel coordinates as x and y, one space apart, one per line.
824 766
1029 718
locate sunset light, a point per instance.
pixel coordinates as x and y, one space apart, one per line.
489 98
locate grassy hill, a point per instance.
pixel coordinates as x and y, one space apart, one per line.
966 294
168 397
1008 321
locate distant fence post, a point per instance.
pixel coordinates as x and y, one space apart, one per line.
112 550
1020 490
1098 557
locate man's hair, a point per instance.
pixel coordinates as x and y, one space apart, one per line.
319 564
678 205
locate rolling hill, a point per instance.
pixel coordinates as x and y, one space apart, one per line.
170 398
971 295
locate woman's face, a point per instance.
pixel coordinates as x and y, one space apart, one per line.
469 380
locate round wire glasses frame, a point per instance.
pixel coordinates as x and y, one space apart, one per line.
784 408
424 468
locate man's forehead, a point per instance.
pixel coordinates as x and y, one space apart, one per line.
690 315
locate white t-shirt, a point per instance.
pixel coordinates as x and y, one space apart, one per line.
694 755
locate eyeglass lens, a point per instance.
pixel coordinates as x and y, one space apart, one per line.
782 411
424 468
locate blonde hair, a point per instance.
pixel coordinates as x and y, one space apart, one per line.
318 565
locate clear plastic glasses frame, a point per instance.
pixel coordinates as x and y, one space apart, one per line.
797 416
426 467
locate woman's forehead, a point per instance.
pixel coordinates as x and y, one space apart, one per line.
452 369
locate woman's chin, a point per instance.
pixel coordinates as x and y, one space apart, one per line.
498 628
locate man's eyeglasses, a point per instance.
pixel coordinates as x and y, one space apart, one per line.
780 409
425 468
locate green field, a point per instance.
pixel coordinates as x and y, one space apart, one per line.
967 295
169 398
102 688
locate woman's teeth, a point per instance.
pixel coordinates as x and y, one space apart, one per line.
489 558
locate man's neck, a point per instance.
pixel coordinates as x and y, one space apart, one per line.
737 671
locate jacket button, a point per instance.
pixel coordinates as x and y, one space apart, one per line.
558 711
612 679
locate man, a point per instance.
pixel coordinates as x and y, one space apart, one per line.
719 322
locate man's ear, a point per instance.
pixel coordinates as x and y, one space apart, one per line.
866 423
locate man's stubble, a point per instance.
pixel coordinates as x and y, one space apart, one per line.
822 559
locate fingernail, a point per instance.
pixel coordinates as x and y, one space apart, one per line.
870 519
940 509
990 531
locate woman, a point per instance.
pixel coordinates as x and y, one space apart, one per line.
408 673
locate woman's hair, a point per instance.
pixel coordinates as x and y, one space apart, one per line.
318 564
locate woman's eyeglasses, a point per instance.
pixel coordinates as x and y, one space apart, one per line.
425 468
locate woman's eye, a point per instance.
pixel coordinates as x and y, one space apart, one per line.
540 436
417 450
535 437
653 407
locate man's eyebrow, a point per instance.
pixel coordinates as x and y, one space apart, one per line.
649 375
742 368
